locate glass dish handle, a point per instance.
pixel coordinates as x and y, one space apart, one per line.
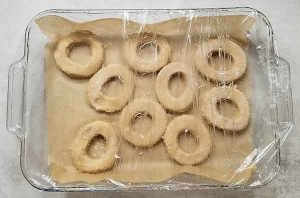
15 96
283 99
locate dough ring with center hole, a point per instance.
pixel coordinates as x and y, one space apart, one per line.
211 114
72 68
159 122
237 67
136 42
80 157
173 103
102 102
204 141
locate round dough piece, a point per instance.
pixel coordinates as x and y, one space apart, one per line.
72 68
80 158
211 114
179 125
142 65
102 102
238 57
159 122
169 101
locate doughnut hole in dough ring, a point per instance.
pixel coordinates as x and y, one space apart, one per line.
80 157
212 115
165 97
103 102
73 68
191 124
155 60
234 52
159 122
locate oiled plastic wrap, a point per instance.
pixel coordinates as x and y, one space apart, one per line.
162 99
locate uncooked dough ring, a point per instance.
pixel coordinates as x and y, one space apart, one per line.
200 132
143 65
80 158
102 102
212 115
172 103
159 120
237 68
74 69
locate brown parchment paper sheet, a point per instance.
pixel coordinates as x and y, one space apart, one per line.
68 109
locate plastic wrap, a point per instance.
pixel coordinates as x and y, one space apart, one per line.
170 99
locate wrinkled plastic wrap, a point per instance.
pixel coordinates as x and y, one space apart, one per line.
58 102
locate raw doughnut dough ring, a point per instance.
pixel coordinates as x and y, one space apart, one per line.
211 114
237 68
200 132
159 120
142 65
80 158
172 103
62 52
102 102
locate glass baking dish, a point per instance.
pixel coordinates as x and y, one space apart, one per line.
271 99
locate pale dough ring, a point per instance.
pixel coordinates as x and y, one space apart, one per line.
102 102
237 68
159 120
72 68
170 102
80 158
177 126
211 114
143 65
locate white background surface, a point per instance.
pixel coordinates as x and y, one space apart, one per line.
285 18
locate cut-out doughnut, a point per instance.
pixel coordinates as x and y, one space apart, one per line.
102 102
169 101
211 114
75 69
187 123
233 50
159 122
80 157
151 63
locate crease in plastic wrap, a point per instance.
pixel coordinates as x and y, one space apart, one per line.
144 44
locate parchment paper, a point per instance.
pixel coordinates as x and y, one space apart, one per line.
68 109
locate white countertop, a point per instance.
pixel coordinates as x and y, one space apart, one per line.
285 18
